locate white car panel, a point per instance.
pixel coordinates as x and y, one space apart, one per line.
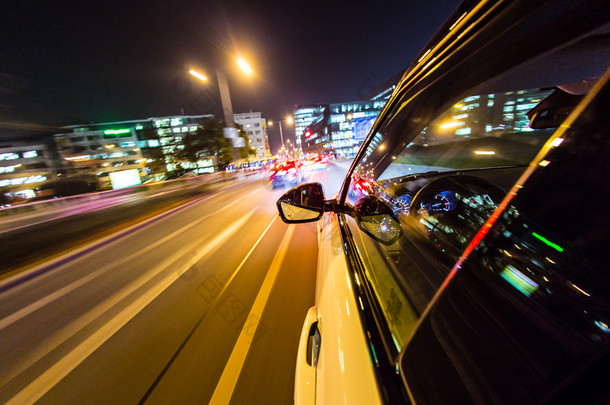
345 372
305 374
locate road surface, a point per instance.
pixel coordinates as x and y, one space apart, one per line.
200 304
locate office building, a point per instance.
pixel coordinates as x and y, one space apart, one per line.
304 116
341 128
256 128
139 149
23 168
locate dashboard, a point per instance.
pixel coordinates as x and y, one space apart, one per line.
447 211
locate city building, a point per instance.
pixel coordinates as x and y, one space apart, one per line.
341 128
24 167
126 153
256 128
169 132
303 116
107 151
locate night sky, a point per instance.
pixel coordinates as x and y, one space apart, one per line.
73 62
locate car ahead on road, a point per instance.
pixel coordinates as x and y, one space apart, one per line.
465 259
316 162
286 173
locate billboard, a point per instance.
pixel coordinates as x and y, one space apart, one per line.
125 178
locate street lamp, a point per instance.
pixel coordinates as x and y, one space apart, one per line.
225 97
287 120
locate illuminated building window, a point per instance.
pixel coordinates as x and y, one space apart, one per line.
525 107
8 156
7 169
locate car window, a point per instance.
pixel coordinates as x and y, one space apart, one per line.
529 309
443 172
467 156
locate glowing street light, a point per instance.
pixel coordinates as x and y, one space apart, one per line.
198 75
244 66
223 87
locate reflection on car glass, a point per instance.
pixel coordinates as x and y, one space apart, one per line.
476 132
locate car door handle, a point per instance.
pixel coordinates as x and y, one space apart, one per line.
307 359
314 341
311 339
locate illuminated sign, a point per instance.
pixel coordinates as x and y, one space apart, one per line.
547 242
518 280
125 178
117 131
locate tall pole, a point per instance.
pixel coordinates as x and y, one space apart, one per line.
281 134
227 108
225 98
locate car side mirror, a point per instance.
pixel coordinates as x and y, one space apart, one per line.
304 203
377 220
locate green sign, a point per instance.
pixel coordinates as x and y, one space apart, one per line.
117 131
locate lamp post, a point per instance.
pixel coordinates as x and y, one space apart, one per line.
289 121
225 99
223 87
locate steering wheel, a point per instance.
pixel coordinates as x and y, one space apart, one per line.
454 194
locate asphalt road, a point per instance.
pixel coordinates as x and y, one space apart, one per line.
202 304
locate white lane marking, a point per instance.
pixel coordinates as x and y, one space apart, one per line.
230 374
25 311
219 295
53 375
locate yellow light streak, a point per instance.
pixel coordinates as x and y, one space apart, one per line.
198 75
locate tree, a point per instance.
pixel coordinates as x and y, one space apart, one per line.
246 151
154 155
208 140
